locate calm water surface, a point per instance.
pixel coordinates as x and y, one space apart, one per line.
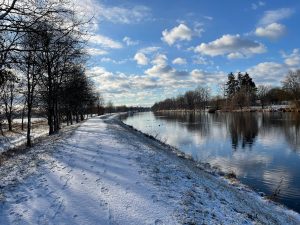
262 149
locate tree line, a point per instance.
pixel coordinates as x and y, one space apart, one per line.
42 64
192 100
238 92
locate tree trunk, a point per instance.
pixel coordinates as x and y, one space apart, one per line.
29 144
50 122
77 118
1 130
9 123
23 114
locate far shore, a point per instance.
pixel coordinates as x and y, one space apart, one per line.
246 109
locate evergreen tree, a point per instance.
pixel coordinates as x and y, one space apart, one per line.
231 85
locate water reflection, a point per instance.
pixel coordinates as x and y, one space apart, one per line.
199 122
243 129
263 149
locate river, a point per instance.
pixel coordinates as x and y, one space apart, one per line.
262 149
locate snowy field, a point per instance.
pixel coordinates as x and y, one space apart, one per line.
17 137
102 172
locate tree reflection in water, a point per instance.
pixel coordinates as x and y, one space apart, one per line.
287 123
197 121
243 128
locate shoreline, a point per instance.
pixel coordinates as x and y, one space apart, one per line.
252 110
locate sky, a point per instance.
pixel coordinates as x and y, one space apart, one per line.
142 52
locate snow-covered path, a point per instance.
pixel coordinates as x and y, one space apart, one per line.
104 173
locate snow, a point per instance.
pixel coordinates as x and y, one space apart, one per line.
103 172
13 139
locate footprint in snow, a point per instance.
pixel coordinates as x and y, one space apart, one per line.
154 198
158 222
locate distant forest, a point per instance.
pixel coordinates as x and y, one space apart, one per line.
238 92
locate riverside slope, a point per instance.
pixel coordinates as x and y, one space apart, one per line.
106 173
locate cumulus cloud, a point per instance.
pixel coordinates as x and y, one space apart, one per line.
273 72
141 58
129 42
160 59
233 46
160 66
169 76
272 31
268 72
273 16
156 83
142 55
117 87
179 33
104 41
179 61
292 59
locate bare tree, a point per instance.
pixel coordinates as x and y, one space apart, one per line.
291 84
8 95
31 70
6 7
262 94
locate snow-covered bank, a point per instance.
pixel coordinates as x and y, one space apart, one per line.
106 173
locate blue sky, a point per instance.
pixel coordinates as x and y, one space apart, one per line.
145 51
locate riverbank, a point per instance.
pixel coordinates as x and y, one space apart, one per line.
104 172
273 108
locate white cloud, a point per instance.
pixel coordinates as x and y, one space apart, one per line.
208 17
160 59
255 6
141 55
104 41
293 59
235 55
179 33
141 58
198 29
149 50
272 31
273 72
200 60
96 12
129 41
117 14
268 72
231 45
153 85
273 16
110 60
96 51
117 87
124 15
162 70
179 61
